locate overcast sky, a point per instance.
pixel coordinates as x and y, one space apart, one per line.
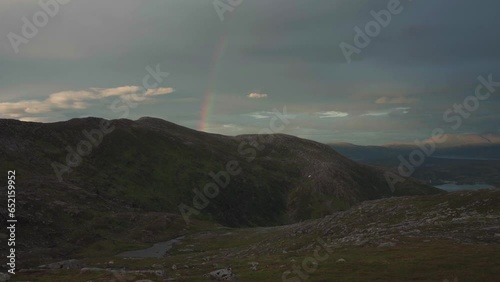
227 76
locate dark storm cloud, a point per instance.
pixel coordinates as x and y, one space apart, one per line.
427 59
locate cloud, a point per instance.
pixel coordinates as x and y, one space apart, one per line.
396 100
259 115
387 112
400 110
159 91
69 99
76 100
255 95
375 113
34 119
118 91
232 127
17 109
332 114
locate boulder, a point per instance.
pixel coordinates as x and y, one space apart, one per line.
224 274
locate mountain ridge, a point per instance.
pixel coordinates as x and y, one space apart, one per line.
151 166
299 165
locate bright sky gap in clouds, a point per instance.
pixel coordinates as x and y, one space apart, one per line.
276 53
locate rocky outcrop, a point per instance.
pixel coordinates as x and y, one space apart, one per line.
224 274
66 264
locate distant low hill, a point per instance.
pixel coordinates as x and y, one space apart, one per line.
466 146
461 158
460 140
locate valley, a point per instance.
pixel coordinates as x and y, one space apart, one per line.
154 200
423 238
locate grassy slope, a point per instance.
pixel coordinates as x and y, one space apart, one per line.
462 245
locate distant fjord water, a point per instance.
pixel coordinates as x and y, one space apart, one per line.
451 187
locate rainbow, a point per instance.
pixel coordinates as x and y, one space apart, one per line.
209 96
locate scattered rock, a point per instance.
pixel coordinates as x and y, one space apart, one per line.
67 264
253 265
341 260
225 274
160 273
86 269
386 245
174 267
